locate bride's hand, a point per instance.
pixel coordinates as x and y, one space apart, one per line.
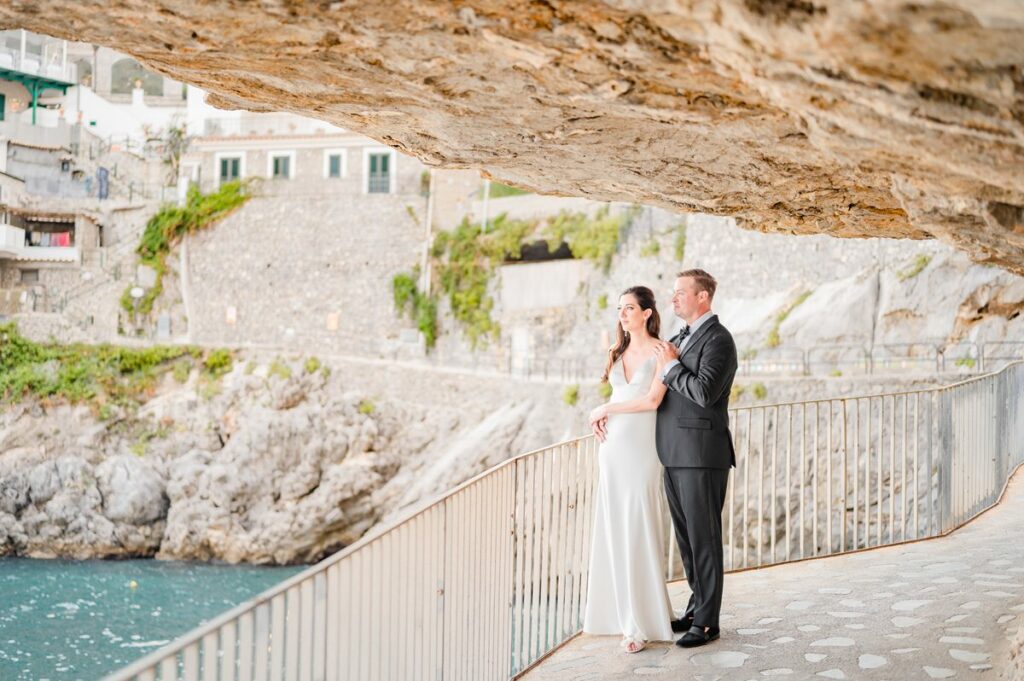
598 413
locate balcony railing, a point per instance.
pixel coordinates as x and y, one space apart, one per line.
35 55
485 581
266 125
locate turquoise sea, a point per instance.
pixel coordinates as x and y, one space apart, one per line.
83 619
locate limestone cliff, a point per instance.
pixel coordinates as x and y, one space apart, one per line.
876 118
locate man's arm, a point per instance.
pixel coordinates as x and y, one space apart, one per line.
705 387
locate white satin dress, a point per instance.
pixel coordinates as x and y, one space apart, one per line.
626 592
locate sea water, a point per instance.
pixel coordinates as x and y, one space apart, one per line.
64 619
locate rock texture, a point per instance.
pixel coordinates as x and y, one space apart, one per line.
274 464
875 118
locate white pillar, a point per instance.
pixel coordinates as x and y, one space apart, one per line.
64 60
22 62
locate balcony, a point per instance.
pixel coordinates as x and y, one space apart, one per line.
12 247
269 125
35 55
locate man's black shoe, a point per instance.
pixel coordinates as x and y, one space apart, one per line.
682 624
696 636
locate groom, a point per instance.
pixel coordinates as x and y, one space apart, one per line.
695 447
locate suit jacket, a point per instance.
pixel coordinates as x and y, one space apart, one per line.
693 419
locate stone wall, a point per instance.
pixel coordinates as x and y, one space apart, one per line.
304 272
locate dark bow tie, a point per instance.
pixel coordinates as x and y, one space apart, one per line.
681 336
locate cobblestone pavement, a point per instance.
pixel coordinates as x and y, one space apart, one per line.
937 609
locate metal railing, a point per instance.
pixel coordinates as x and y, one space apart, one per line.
935 355
487 580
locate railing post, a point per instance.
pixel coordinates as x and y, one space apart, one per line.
944 443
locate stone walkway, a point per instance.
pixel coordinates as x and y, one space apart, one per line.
938 609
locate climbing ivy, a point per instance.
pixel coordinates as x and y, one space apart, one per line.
465 259
170 223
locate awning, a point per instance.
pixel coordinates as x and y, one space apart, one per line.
30 79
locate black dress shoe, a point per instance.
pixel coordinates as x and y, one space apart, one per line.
696 636
682 624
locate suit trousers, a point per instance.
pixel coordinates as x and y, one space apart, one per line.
696 497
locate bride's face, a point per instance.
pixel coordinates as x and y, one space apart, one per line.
632 317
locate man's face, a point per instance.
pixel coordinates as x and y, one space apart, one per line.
686 301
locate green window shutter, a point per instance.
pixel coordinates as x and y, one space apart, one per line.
334 165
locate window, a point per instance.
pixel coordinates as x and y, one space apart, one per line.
281 165
3 105
334 163
379 166
30 276
230 169
281 168
126 73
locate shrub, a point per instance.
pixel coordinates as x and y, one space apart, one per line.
604 389
650 249
602 301
182 368
571 394
367 407
920 262
218 363
311 366
680 244
409 300
759 391
279 369
773 340
77 372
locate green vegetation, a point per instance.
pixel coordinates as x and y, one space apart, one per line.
420 307
311 365
171 222
604 390
498 190
680 245
367 407
249 368
595 239
602 301
182 368
759 391
736 392
279 369
836 373
650 249
465 259
102 375
968 362
920 262
217 363
571 394
773 334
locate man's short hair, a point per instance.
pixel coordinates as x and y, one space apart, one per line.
702 281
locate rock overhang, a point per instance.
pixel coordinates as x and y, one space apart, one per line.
872 119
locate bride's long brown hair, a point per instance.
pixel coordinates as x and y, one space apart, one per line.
645 298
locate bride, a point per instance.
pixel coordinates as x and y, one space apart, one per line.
626 593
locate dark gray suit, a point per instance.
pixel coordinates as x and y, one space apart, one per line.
695 446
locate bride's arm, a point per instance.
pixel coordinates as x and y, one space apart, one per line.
648 402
